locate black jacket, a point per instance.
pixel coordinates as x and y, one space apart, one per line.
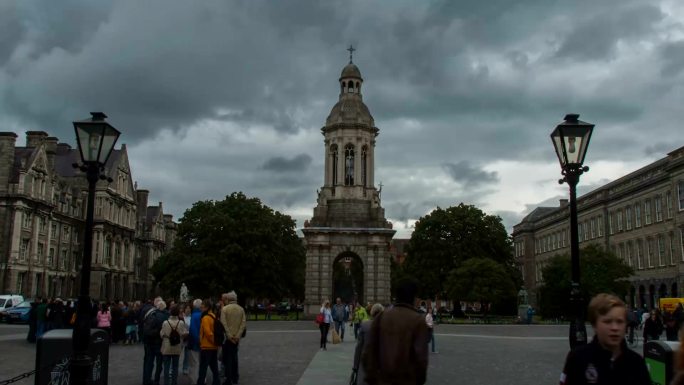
591 364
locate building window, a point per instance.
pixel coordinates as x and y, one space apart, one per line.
334 157
51 256
580 232
630 254
23 250
39 252
647 211
42 227
586 230
53 230
593 228
21 278
63 260
672 249
668 203
349 165
640 254
600 225
628 218
364 166
619 220
637 215
610 224
107 251
661 250
563 235
66 232
649 251
658 208
27 220
680 190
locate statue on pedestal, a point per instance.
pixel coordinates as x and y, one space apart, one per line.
184 293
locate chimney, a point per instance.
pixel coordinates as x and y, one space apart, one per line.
168 218
8 141
141 198
35 138
563 203
51 150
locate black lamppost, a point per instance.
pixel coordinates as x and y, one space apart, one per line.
96 139
570 140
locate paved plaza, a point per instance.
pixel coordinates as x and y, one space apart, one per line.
276 352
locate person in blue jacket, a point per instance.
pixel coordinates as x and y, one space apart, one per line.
193 339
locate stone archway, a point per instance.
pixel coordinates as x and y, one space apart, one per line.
348 278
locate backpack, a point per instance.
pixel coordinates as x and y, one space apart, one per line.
174 336
219 331
151 326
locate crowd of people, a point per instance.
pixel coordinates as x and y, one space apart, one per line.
201 332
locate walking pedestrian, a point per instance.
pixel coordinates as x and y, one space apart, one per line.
362 342
131 319
173 332
607 359
340 315
208 347
234 322
360 315
653 327
41 318
186 313
33 322
397 352
324 326
431 328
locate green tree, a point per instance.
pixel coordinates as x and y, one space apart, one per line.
444 239
237 243
601 272
483 280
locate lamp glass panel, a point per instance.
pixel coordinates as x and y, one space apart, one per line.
89 139
108 141
558 146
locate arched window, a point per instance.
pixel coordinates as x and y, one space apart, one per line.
333 155
364 166
349 165
350 87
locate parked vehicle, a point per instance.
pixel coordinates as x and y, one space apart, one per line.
19 313
7 302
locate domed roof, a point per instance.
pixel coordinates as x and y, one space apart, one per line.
351 71
350 109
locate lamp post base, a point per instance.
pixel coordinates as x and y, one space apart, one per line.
81 369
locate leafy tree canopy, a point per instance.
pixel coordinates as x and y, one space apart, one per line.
234 244
444 239
481 279
601 272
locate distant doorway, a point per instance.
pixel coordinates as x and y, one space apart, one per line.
348 278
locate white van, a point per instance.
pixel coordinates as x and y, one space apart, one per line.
9 301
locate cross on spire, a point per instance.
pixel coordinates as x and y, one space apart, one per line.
351 52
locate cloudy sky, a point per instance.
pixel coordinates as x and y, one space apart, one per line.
220 96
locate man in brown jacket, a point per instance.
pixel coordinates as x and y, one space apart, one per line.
234 322
397 351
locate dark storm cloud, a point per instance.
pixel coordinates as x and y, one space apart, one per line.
596 37
658 149
299 163
673 58
463 173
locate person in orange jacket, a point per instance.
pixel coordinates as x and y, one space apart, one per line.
208 348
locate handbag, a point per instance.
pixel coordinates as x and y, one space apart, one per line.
353 378
335 337
320 318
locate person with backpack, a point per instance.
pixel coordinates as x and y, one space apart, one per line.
152 324
211 338
174 330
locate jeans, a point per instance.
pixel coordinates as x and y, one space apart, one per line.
357 326
339 328
208 358
171 369
230 362
40 329
324 333
153 357
186 359
432 339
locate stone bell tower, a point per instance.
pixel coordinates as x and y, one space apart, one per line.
348 223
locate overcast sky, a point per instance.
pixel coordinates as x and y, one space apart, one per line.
220 96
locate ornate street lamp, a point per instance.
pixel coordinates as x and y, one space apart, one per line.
571 139
96 139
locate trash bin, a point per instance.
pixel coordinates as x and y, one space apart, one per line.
54 350
659 356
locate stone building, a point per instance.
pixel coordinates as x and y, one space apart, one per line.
348 226
42 211
640 217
